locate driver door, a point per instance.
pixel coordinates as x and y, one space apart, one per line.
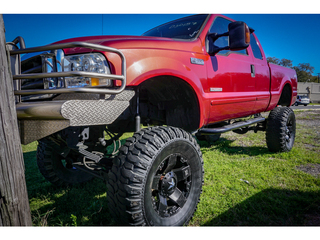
230 79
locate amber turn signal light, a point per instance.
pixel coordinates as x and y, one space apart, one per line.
94 81
247 34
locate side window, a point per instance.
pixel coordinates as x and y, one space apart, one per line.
220 25
255 47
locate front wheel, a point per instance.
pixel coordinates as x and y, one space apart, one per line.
156 179
57 169
281 129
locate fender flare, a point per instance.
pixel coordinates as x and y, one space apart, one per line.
276 95
140 71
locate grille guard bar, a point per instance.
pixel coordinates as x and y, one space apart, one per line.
70 74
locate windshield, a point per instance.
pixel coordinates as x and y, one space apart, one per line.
184 28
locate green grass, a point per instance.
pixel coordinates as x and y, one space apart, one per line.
245 184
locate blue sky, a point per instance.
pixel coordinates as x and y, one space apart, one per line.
292 36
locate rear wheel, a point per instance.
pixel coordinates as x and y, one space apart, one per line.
281 129
156 179
57 169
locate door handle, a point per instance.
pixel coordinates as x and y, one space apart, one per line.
253 70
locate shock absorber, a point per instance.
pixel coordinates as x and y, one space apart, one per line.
137 118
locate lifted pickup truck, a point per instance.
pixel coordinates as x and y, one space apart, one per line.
190 78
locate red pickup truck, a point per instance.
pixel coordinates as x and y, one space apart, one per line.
195 77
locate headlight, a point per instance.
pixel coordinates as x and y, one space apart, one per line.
91 62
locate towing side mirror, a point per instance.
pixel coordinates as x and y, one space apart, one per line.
239 36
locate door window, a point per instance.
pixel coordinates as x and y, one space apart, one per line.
220 25
255 47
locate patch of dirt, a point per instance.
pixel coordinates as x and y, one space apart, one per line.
309 146
308 118
312 169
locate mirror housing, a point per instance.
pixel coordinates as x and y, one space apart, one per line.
239 38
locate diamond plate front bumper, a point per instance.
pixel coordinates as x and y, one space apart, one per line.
40 119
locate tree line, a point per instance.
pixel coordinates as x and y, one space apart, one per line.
304 70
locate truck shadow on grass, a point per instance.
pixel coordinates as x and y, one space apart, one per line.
273 207
78 205
224 145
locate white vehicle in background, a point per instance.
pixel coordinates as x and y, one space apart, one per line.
302 100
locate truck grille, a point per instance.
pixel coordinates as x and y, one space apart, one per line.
33 65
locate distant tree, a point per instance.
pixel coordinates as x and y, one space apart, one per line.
304 72
314 79
306 67
273 60
286 63
283 62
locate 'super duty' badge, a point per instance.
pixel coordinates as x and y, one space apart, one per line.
215 89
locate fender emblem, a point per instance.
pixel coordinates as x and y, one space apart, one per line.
197 61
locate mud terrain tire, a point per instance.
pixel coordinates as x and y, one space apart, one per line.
281 129
156 179
53 166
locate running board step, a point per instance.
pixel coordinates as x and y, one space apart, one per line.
227 128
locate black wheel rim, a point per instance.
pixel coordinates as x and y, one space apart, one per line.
171 185
290 131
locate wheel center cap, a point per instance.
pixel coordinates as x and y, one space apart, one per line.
168 184
172 184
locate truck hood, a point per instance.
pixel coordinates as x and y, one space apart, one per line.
138 42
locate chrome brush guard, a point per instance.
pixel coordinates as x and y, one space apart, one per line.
71 73
83 106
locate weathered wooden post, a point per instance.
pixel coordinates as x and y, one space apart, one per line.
14 202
